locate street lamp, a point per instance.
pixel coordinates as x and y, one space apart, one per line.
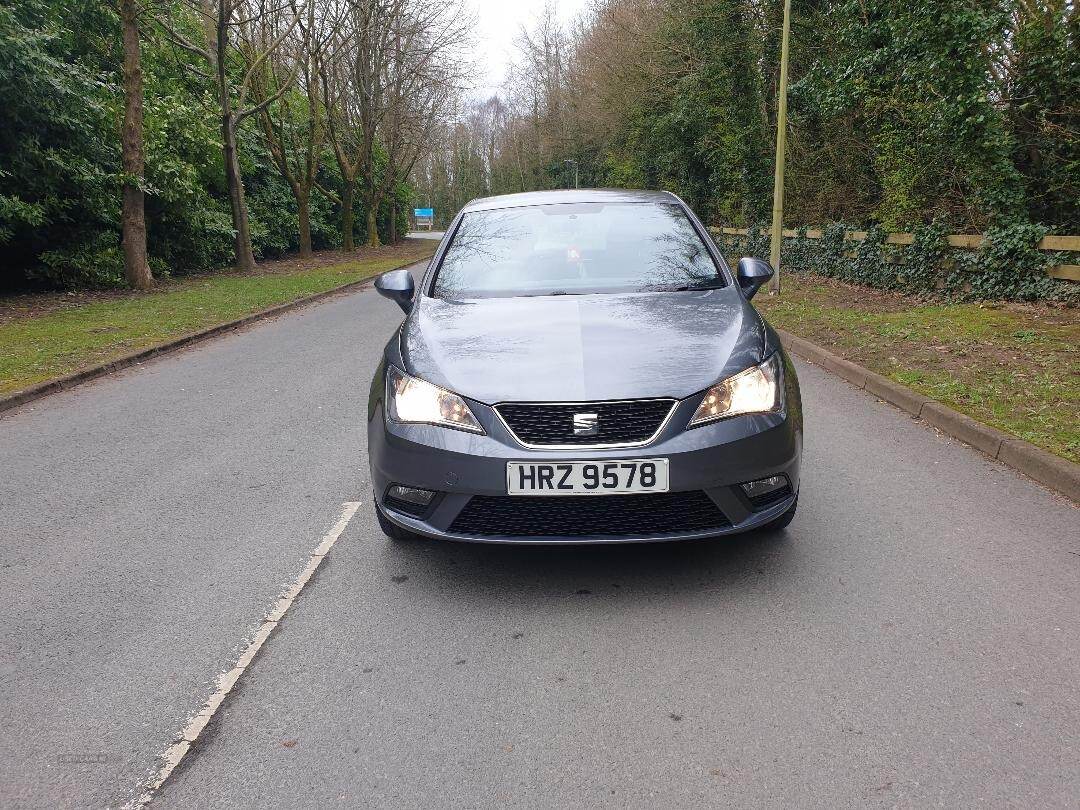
575 165
781 142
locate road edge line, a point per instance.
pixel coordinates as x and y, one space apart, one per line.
1042 466
195 725
69 381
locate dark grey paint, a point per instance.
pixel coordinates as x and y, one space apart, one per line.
398 286
582 347
752 274
613 195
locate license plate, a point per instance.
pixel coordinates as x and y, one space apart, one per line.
587 477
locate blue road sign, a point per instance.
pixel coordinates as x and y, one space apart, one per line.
424 212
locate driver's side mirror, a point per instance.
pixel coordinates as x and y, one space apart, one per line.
398 286
752 274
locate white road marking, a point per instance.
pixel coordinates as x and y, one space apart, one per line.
172 755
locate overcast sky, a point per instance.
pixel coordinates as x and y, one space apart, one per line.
498 22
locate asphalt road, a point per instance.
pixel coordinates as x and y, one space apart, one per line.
912 639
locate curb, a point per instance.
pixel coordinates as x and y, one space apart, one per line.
79 377
1059 474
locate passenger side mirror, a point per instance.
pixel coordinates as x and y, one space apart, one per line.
398 286
752 274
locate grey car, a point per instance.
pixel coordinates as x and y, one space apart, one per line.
582 367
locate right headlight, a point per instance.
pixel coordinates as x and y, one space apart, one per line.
756 390
411 399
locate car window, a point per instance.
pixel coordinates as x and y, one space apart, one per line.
574 249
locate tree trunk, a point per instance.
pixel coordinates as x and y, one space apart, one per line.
245 259
372 227
393 223
347 197
304 210
133 215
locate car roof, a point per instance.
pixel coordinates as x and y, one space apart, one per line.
575 195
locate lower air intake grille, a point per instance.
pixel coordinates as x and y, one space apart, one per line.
769 498
398 505
589 515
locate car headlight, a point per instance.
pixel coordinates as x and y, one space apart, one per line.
413 400
756 390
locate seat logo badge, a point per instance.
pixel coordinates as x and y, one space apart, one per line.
586 424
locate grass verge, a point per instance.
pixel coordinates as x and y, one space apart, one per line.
1015 367
44 337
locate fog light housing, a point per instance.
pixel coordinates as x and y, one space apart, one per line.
412 495
763 486
767 491
409 500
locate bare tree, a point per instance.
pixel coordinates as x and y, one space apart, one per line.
346 135
404 71
425 74
565 97
295 126
222 22
133 214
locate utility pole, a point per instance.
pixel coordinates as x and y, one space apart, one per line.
781 143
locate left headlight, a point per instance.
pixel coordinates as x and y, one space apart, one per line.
412 400
756 390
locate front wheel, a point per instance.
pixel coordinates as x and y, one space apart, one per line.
776 524
392 530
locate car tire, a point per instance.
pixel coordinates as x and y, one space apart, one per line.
776 524
392 530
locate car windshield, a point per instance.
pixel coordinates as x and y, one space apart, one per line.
574 249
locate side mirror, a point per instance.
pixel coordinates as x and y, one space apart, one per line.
398 286
752 274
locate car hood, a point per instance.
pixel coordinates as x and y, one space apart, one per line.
577 348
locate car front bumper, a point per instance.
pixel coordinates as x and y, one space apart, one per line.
714 459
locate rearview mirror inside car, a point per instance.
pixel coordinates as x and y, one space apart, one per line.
398 286
752 274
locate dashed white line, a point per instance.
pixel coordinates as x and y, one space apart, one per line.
172 755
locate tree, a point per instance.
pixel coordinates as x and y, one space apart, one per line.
1035 64
133 216
295 125
343 128
404 70
222 22
423 79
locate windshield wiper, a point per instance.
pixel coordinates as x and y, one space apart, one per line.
709 285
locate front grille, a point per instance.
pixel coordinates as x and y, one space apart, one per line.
627 422
589 515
